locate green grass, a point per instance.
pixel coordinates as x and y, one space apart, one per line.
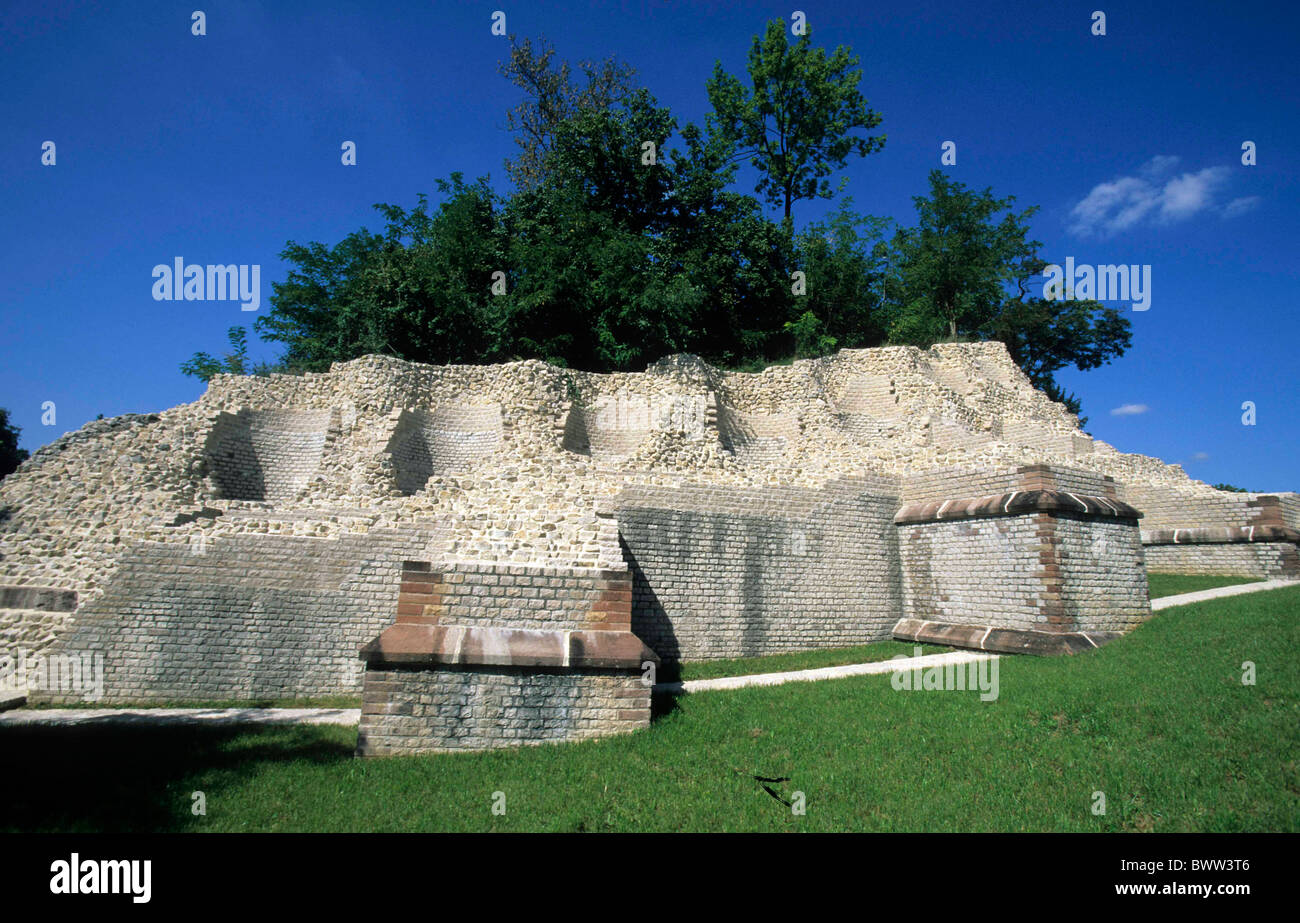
802 660
1159 721
1173 584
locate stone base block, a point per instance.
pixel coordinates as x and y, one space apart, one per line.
1001 640
408 711
440 688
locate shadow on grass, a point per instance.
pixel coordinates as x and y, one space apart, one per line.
79 779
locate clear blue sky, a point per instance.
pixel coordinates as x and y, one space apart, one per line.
223 147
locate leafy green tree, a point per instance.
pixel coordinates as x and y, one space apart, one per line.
844 260
954 267
421 290
551 98
204 365
796 120
964 272
10 455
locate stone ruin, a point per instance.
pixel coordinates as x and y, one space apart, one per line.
512 548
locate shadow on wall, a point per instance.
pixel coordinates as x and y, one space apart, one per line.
650 620
266 454
446 440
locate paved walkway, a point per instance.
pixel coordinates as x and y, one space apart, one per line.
140 717
807 676
1183 599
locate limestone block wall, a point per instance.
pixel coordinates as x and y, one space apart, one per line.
756 436
443 440
251 616
723 572
409 711
1050 564
1271 560
489 595
947 483
266 454
1039 435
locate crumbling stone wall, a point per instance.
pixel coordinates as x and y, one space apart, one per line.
521 466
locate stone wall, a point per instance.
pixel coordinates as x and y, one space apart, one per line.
1272 560
267 454
247 617
445 440
755 508
409 711
1034 569
728 573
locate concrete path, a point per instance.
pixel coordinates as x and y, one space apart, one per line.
807 676
208 717
1183 599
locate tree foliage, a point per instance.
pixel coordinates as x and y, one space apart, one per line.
10 455
625 240
797 119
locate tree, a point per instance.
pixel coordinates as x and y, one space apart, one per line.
843 259
421 290
204 365
553 99
954 266
796 123
965 271
10 455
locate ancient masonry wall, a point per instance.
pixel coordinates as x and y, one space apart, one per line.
742 573
246 544
1034 569
1271 560
246 617
429 710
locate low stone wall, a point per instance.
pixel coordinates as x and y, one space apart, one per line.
1263 559
723 572
243 617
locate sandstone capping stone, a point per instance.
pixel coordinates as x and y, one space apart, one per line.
1002 640
1222 535
1016 503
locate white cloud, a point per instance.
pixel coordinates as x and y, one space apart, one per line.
1156 195
1129 410
1240 206
1200 456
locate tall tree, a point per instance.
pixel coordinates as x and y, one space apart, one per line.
965 271
10 455
552 97
796 122
956 264
843 259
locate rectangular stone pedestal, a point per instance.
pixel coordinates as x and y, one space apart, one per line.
1040 570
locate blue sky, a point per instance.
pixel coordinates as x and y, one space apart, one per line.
221 148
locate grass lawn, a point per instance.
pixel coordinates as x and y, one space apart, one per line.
1173 584
1159 721
803 660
